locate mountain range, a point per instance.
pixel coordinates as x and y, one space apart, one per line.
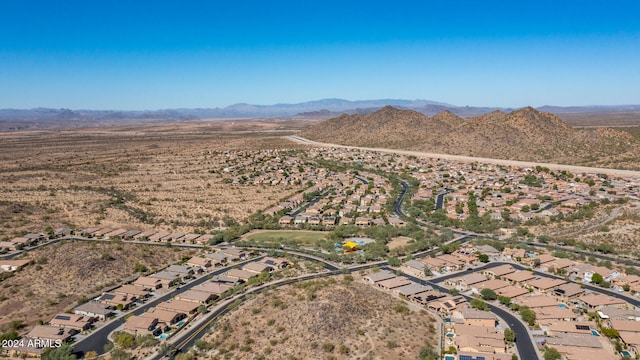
323 109
524 134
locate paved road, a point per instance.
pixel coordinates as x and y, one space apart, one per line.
440 200
98 338
471 159
524 343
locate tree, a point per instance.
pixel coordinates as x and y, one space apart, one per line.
504 300
484 258
427 353
64 352
479 304
202 309
552 354
527 315
427 272
394 261
488 294
140 268
119 354
597 278
124 340
509 335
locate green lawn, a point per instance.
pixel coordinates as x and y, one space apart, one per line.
280 236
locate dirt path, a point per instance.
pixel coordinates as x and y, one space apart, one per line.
515 163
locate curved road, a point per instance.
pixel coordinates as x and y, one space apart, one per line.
525 346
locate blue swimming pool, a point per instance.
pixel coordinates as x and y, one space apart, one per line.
562 306
180 323
164 336
625 353
449 357
450 335
594 333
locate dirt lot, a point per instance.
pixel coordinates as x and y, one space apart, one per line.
62 273
150 176
340 320
618 226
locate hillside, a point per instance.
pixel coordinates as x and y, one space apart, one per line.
524 134
323 319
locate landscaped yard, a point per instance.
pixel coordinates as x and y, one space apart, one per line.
300 237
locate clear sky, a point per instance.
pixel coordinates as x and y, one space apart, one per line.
138 54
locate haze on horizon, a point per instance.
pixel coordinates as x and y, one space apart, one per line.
169 54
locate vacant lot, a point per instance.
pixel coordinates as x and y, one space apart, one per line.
323 319
151 176
301 237
64 272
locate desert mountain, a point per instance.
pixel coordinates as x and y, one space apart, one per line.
523 134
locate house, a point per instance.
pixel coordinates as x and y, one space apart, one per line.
234 253
94 309
257 267
167 278
493 284
568 291
148 283
166 316
411 289
499 271
512 291
487 250
475 317
428 296
376 277
466 355
159 235
519 277
116 300
51 333
598 301
226 280
199 262
285 220
465 281
196 296
240 274
132 291
215 288
72 321
185 272
129 235
413 267
394 282
179 306
13 265
142 325
537 301
545 284
276 263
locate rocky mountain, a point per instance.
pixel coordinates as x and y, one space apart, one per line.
523 134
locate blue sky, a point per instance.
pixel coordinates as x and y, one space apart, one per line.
117 54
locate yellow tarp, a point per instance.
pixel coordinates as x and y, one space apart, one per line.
350 245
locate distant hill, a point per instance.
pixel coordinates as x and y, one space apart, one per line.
523 134
39 118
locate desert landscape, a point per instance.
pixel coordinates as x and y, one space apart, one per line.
154 176
336 318
66 273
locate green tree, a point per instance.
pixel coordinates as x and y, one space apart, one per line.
64 352
484 258
504 300
125 340
597 278
119 354
527 315
427 353
394 261
552 354
509 335
478 304
488 294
